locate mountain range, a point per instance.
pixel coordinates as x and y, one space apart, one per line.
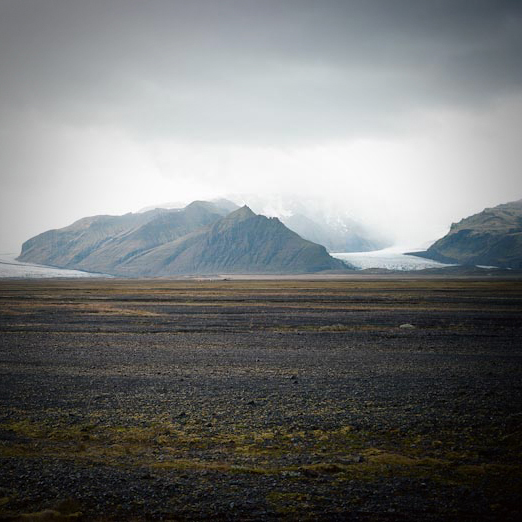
313 220
202 238
492 237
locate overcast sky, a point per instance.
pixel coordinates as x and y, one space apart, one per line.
406 113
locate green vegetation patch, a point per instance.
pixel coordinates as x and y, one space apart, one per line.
164 446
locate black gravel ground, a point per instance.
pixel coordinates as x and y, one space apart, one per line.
394 399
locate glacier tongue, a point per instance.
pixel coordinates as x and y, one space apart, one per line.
13 269
391 258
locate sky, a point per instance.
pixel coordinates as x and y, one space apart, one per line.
406 114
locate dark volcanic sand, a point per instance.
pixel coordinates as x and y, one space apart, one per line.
157 400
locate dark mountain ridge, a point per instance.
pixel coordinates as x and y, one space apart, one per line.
492 237
202 238
101 243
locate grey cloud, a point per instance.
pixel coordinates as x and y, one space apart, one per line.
255 70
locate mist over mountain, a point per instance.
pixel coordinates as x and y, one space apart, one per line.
221 203
342 236
319 221
202 238
375 105
491 237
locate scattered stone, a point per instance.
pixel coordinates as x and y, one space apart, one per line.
141 464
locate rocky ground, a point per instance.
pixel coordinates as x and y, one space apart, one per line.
366 400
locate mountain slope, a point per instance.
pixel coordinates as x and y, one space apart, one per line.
491 237
241 242
101 243
200 239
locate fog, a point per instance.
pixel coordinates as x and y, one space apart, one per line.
406 115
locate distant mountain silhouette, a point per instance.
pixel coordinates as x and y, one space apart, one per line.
347 236
313 219
492 237
202 238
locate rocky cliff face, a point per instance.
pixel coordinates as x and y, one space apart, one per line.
492 237
202 238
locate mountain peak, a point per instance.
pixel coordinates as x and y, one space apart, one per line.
241 214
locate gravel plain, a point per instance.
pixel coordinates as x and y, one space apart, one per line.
386 399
